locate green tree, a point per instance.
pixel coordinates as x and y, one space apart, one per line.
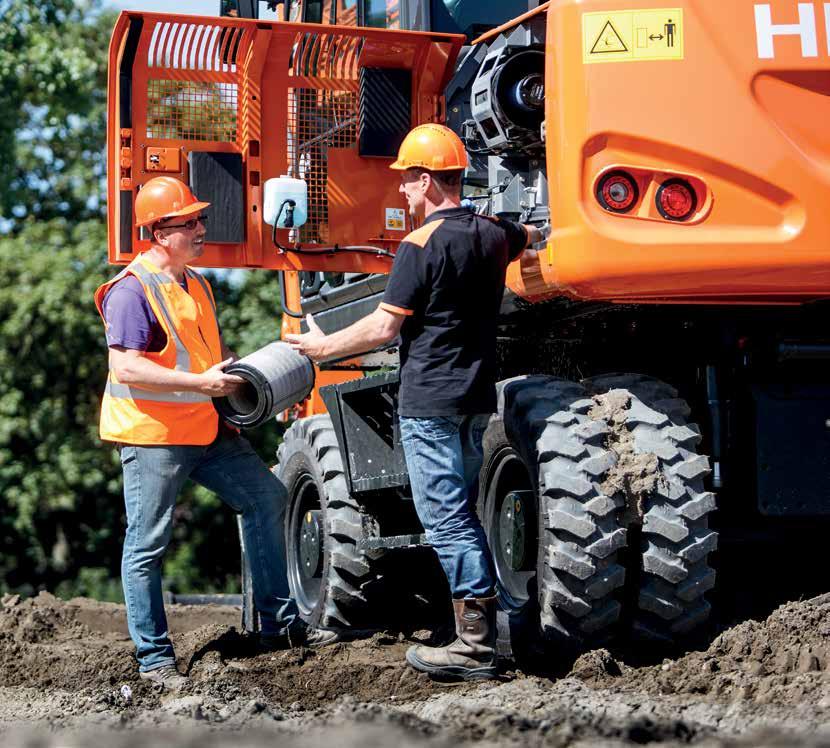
52 119
61 508
53 57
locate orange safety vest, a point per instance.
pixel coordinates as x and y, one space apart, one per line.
132 415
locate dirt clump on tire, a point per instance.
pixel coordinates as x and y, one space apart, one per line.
661 477
633 475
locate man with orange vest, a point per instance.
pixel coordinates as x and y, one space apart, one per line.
166 361
443 296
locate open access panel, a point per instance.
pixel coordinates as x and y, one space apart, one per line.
225 104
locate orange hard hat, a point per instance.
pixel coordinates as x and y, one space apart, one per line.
432 147
165 197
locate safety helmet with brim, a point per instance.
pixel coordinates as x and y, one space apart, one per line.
165 197
432 147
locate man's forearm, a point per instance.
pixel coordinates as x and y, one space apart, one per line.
148 375
364 335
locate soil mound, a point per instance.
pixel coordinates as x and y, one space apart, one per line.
782 660
68 668
48 643
37 620
44 643
367 670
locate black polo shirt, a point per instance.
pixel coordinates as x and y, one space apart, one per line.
448 279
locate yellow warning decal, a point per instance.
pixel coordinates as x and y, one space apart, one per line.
632 35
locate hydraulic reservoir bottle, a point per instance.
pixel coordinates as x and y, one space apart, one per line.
286 202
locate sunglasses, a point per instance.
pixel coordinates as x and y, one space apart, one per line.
189 225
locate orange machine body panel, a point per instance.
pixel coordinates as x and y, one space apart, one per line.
746 130
184 84
750 127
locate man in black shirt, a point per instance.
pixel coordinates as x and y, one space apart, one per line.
443 297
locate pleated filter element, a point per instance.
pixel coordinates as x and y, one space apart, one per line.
276 377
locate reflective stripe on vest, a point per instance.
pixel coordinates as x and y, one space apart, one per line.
116 389
151 281
205 287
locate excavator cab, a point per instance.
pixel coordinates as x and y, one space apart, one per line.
468 17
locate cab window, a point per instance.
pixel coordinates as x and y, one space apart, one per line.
313 11
346 13
382 14
318 11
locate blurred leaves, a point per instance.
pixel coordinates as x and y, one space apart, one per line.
60 491
53 62
61 507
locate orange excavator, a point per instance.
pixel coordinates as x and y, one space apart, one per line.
680 157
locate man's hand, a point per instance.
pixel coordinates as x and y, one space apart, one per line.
377 328
312 343
537 235
216 383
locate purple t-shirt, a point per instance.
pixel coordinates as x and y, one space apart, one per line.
131 321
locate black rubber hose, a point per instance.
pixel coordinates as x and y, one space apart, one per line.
276 377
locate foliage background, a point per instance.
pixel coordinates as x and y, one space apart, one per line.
61 508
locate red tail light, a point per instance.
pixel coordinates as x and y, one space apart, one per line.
676 200
617 192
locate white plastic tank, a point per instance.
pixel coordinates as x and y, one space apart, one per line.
280 193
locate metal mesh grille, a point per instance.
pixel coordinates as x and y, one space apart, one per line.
188 110
318 119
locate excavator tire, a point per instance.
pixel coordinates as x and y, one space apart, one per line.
544 456
330 577
309 457
674 572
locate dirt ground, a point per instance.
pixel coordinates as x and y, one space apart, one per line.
68 679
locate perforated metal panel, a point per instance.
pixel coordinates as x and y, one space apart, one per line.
217 179
385 110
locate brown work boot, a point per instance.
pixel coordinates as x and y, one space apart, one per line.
166 676
472 656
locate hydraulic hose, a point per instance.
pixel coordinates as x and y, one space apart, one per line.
276 377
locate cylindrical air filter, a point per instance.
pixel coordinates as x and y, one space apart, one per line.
276 377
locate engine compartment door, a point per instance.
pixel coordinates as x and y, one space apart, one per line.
226 104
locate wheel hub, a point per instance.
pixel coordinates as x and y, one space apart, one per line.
513 528
311 546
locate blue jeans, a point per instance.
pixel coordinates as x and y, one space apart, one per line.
153 477
443 456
